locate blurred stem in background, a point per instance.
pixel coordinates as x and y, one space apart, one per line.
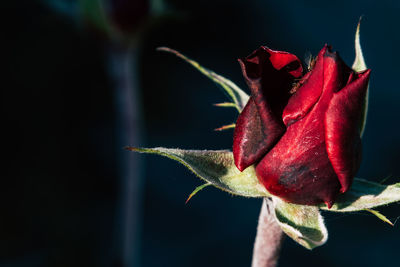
120 24
123 70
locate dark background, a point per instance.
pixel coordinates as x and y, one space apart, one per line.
60 184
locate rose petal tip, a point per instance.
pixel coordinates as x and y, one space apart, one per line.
240 163
329 204
240 167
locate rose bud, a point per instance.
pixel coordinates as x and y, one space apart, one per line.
302 132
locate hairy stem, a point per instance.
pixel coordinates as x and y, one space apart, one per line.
269 238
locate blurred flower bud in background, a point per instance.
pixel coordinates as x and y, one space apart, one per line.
117 20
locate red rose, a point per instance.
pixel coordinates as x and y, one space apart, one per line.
302 132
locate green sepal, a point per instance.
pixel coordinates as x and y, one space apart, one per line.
196 190
226 127
215 167
380 216
359 62
304 224
237 95
226 105
365 195
360 66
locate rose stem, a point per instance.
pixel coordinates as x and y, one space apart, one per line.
123 61
268 239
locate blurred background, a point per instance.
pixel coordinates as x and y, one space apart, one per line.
80 85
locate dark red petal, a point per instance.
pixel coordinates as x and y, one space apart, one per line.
280 60
353 76
336 72
308 94
270 75
251 138
342 134
297 169
329 74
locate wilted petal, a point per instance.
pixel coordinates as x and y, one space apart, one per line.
270 75
252 139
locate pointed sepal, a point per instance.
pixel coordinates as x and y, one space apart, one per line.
226 105
365 195
380 216
360 66
215 167
359 62
225 127
236 95
196 190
